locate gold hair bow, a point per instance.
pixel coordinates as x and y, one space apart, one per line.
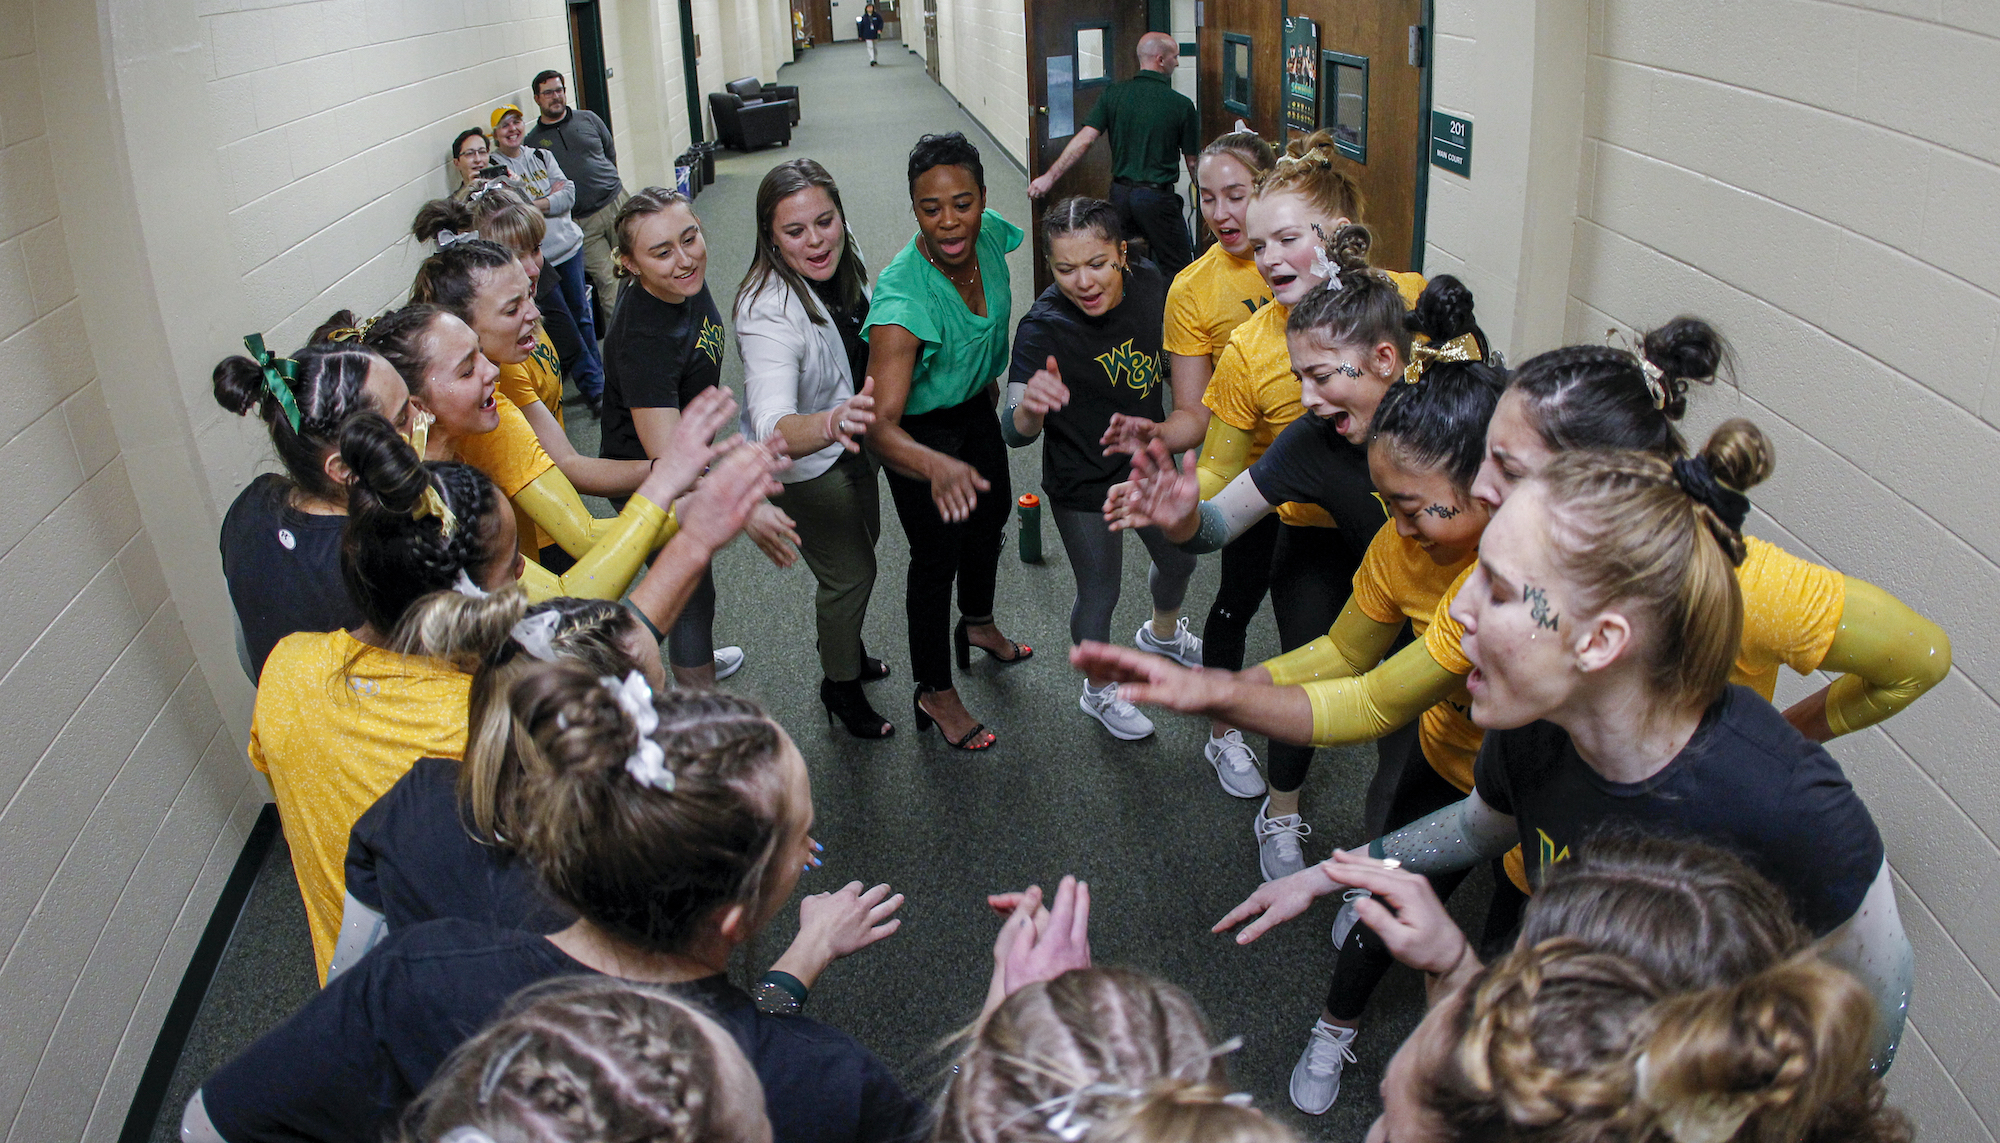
1464 347
432 502
352 332
1316 155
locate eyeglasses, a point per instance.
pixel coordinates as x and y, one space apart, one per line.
470 153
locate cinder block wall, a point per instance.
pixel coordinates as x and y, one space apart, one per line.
983 63
126 798
1820 181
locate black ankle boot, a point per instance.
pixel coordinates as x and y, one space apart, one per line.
846 702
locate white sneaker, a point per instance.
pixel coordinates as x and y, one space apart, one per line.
1316 1078
1278 852
1119 717
1343 921
1184 648
1235 765
728 661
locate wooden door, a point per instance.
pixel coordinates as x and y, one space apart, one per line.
1372 99
931 40
1076 49
1241 67
586 54
819 20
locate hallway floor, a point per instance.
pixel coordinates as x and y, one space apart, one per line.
1165 850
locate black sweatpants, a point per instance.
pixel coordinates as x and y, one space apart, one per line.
1312 574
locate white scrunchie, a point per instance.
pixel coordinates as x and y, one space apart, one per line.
464 586
648 761
536 634
1324 269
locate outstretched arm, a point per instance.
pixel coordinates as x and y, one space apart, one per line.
1888 656
1071 154
1872 945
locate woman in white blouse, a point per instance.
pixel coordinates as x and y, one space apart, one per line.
799 314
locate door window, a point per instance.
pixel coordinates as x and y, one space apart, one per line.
1344 103
1236 72
1092 47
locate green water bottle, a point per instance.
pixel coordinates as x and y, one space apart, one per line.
1029 509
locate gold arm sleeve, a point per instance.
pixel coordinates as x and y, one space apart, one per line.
1888 655
607 569
1225 453
1366 707
551 501
1353 645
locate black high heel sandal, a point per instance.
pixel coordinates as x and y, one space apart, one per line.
873 670
845 702
963 644
925 722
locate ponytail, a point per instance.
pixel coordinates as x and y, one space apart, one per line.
413 527
328 384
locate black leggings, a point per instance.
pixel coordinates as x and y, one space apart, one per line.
1420 791
1246 578
1312 574
966 553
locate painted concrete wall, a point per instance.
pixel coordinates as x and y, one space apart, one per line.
175 174
1828 201
983 62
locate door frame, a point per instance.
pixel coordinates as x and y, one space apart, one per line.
1422 197
586 55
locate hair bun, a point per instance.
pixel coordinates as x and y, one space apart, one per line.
387 471
1683 350
239 385
1443 311
1348 247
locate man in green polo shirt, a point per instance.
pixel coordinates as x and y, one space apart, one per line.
1150 126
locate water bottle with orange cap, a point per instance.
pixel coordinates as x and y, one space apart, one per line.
1029 509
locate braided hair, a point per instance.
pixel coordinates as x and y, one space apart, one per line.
330 386
1439 423
1602 396
645 863
1082 213
1663 539
449 278
1307 169
390 556
586 1059
1365 309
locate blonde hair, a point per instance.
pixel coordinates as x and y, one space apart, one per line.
1631 528
1246 147
1125 1054
1306 169
584 1059
646 864
490 778
1558 1042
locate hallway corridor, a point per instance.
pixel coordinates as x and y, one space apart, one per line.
1165 850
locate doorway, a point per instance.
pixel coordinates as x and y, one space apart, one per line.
819 20
1076 49
586 57
931 41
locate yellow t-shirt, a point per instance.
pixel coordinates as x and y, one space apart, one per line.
513 458
1397 581
1213 295
1255 390
539 378
1408 284
334 739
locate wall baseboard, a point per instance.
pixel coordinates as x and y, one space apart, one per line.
193 990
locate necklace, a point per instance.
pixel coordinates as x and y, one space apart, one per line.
932 259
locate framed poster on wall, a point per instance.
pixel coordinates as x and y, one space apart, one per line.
1301 74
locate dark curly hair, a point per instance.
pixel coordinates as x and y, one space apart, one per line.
952 149
1440 422
389 556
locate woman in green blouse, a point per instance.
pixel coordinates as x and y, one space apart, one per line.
937 342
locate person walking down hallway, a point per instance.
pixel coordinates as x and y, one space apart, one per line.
1149 126
581 141
937 341
868 25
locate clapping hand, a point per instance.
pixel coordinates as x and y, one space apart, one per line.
1413 923
848 920
1150 678
1039 943
1158 493
719 507
852 417
692 447
774 532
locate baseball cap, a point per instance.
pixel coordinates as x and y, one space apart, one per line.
501 112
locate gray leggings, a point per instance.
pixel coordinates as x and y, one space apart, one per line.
1097 557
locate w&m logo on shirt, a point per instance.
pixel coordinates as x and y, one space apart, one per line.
546 355
1131 367
710 341
1550 854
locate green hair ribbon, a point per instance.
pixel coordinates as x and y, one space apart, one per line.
279 373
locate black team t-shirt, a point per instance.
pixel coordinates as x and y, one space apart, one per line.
1309 463
412 859
1110 364
657 355
341 1068
1747 781
283 568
